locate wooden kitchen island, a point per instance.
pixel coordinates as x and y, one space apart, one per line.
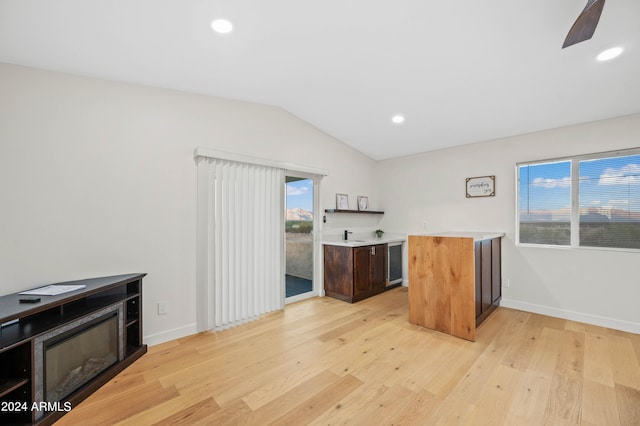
454 280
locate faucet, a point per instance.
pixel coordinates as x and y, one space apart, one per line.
346 234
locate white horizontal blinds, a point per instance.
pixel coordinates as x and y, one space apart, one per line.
584 201
544 198
243 221
609 201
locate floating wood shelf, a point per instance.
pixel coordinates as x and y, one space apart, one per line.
353 211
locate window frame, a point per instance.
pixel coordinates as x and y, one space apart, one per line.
575 198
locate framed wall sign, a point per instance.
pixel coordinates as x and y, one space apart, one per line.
482 186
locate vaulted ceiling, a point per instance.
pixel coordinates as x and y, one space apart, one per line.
458 71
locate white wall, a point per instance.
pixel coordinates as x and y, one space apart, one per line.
426 192
98 178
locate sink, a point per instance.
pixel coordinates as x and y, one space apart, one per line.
355 241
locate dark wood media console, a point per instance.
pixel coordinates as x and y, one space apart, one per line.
19 342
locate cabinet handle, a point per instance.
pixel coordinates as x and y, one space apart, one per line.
373 250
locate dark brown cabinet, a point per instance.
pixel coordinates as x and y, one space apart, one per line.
354 273
487 277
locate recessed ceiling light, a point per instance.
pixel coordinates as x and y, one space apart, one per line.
609 54
221 26
397 119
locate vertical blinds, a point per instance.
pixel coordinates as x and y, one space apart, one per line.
240 250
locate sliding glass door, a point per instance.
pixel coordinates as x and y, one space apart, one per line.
300 223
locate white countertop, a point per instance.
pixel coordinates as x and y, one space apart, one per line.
359 240
477 236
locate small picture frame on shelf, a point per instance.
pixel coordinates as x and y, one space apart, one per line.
363 203
342 202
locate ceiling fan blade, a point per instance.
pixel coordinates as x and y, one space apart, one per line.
586 24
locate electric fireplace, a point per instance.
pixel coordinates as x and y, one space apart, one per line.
71 356
56 352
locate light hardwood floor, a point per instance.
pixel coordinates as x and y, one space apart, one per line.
327 362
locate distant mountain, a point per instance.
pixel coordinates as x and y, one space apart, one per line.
601 214
299 214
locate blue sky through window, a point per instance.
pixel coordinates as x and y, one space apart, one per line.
611 183
607 184
545 186
300 194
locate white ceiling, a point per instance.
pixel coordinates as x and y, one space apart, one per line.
460 71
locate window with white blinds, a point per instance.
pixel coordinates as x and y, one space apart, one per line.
583 201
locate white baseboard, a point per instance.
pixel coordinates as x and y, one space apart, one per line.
630 327
165 336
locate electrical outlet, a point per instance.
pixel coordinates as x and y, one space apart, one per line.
163 308
506 282
424 225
